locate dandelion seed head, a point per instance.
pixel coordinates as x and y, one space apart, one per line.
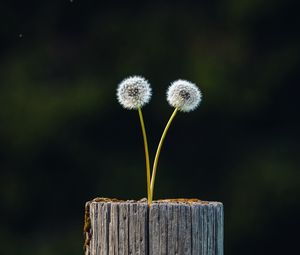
134 92
184 95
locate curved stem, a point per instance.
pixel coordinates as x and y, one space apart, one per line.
146 155
159 149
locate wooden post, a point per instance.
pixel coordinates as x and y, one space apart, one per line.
170 227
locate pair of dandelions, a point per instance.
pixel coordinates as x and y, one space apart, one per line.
134 92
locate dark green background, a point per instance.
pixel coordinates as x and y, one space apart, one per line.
64 139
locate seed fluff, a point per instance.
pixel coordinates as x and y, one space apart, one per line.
184 95
134 92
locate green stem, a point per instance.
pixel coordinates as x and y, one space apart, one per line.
146 155
159 149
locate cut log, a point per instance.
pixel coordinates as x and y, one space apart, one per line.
171 227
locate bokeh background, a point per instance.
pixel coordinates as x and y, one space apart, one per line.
64 139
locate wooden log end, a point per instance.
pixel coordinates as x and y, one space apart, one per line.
168 226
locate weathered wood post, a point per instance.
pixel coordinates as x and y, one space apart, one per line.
177 226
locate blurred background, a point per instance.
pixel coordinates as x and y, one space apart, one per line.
64 139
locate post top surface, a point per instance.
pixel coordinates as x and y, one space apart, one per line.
188 201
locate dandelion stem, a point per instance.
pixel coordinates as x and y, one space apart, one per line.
159 149
146 155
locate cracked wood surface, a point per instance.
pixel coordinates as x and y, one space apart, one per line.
171 227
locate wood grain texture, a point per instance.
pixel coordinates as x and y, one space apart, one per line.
166 227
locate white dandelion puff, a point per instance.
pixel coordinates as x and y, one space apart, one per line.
134 92
184 95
